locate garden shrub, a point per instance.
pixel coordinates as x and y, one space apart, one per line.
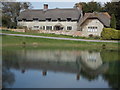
96 37
90 35
110 34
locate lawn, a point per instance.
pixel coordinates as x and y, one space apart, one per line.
43 42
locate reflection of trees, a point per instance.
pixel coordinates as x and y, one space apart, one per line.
113 75
8 77
109 55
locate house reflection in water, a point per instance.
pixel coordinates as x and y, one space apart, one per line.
44 72
91 59
59 61
82 64
23 71
78 77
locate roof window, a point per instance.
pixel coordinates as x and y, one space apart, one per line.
68 19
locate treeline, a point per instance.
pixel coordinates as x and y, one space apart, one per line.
11 11
113 8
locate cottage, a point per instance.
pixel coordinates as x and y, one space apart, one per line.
50 19
70 20
93 23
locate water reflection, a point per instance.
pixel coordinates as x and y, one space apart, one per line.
88 64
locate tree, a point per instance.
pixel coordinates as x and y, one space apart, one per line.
11 11
90 6
26 5
113 8
113 21
110 7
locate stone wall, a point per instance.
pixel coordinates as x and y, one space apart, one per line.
15 30
60 32
18 30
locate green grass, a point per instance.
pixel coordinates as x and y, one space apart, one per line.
49 35
43 42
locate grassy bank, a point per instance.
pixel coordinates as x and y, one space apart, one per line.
29 41
50 35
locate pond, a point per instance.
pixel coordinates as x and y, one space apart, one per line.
60 68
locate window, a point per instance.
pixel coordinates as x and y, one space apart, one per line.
24 19
59 19
48 19
36 27
95 29
43 27
19 20
68 19
48 27
92 29
35 19
69 28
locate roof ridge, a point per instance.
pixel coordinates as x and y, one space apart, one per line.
50 9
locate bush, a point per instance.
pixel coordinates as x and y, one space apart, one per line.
96 37
110 34
90 35
20 27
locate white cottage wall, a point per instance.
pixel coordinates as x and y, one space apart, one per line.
37 23
92 23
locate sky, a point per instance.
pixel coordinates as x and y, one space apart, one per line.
64 0
38 4
51 5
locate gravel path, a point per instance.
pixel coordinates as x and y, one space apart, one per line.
59 38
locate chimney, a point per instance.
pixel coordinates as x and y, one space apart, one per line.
45 6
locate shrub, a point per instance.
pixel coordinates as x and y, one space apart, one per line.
20 27
90 35
110 34
96 37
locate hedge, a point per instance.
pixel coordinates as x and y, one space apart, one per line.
110 34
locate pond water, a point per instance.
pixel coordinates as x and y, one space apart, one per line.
57 68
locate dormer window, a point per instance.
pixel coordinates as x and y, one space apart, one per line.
35 19
59 19
68 19
24 19
48 19
19 20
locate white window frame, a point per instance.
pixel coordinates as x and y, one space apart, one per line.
69 26
92 28
49 27
44 27
35 27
